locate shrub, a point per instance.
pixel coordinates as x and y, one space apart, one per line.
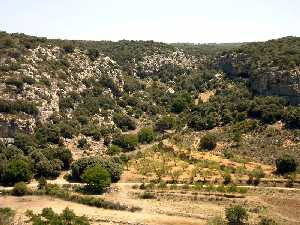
286 164
165 123
257 173
9 106
18 83
124 122
292 117
17 170
20 189
49 217
127 141
179 105
82 143
97 178
236 215
208 142
146 135
227 178
114 150
6 216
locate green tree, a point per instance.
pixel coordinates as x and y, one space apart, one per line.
286 164
17 170
97 178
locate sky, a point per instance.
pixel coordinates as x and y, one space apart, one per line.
194 21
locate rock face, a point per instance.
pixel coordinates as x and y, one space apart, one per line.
263 80
278 82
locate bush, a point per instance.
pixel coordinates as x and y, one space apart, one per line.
227 178
20 189
49 217
124 122
236 215
286 164
127 141
292 117
6 216
146 135
165 123
208 142
8 106
17 170
179 105
97 178
82 143
114 150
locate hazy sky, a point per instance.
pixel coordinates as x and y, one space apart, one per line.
198 21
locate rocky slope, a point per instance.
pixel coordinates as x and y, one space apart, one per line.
272 67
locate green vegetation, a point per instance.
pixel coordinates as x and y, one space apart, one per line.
126 141
236 215
146 135
6 216
49 217
112 165
20 189
208 142
17 106
97 178
286 164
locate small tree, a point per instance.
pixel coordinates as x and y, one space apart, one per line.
20 189
146 135
97 178
42 183
17 170
208 142
236 215
286 164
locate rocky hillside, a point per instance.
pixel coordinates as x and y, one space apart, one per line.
272 67
55 89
